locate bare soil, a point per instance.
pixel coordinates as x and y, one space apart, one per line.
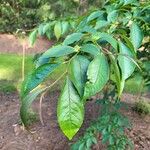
49 136
11 44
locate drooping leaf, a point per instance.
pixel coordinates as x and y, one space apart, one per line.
70 110
91 49
136 35
26 103
94 15
36 77
57 51
57 30
74 37
126 65
40 29
112 16
64 26
117 74
78 70
33 37
98 75
46 28
129 44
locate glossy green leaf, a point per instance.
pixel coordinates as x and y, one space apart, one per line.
126 65
33 37
136 35
88 29
112 16
75 37
57 30
98 75
57 51
36 77
26 103
64 26
70 110
91 49
106 37
100 24
94 15
78 70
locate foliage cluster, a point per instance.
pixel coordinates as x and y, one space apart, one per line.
110 125
102 50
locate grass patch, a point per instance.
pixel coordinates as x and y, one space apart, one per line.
142 107
11 72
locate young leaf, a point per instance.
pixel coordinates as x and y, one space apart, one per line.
36 77
70 110
46 28
27 101
98 75
33 37
91 49
57 51
75 37
94 15
78 70
112 16
57 30
100 24
117 74
64 27
126 65
136 35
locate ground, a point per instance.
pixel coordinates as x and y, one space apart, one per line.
49 136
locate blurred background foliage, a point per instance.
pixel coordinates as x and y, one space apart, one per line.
16 15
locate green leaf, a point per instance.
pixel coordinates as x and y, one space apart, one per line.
57 30
91 49
64 26
117 74
40 29
46 28
70 110
27 101
36 77
75 37
57 51
126 65
100 24
136 35
129 43
107 37
78 70
94 15
33 37
98 75
112 16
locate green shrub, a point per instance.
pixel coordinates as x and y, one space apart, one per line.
23 15
142 107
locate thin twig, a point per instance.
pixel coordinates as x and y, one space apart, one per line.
40 108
